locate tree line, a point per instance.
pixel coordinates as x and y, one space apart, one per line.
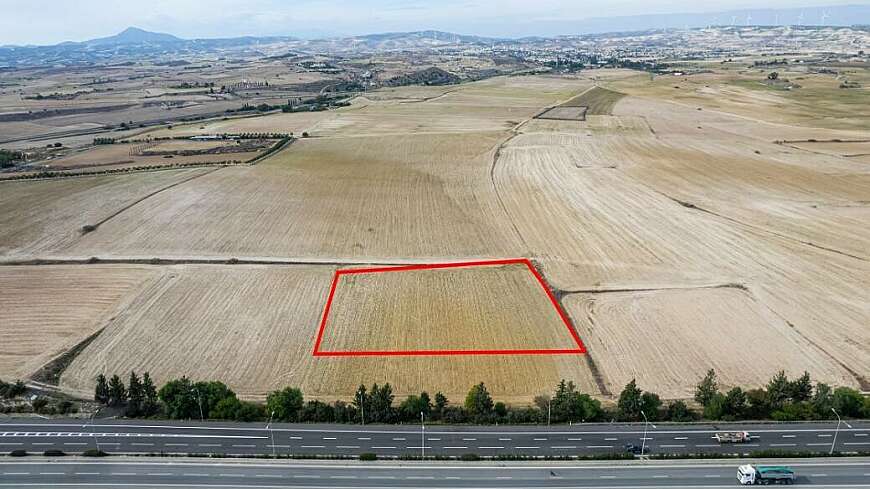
781 399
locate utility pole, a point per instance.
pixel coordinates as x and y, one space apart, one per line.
199 401
422 437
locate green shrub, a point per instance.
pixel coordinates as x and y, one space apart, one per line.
469 457
18 453
368 457
93 452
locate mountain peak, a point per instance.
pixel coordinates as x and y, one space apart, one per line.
135 35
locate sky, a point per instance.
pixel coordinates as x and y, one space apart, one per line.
53 21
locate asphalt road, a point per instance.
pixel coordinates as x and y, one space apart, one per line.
829 473
151 437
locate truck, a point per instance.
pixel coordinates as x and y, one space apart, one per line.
764 474
732 437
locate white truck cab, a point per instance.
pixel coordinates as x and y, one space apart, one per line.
751 474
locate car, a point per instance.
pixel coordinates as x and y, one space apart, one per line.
636 449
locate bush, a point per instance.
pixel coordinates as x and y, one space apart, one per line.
469 457
368 457
93 452
18 453
53 453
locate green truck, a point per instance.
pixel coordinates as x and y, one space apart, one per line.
765 474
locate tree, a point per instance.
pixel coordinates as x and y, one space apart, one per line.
773 76
735 403
848 402
412 406
209 394
758 404
650 405
150 404
382 403
678 411
286 404
478 402
707 388
440 403
715 408
117 392
801 389
362 401
101 391
778 390
823 401
135 396
630 402
178 399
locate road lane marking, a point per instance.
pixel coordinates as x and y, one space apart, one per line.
313 446
564 447
783 444
245 446
818 475
660 476
160 474
575 439
383 448
788 436
681 438
710 476
491 448
824 436
611 439
464 439
328 438
539 439
399 439
210 444
342 477
860 434
346 447
599 446
857 443
381 477
455 448
125 473
52 473
136 444
504 439
176 444
434 439
364 439
527 448
607 477
818 444
306 476
673 446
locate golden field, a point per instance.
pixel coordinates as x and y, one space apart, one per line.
682 228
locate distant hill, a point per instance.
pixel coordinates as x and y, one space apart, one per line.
429 76
134 35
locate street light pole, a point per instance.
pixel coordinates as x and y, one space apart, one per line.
837 432
643 442
548 412
422 436
272 432
199 401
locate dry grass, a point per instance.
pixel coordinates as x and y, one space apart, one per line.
657 337
380 198
600 101
254 327
479 308
42 217
47 310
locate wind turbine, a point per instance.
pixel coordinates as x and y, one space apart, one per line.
733 20
748 18
825 16
801 18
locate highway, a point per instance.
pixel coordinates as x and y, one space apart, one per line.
155 437
136 472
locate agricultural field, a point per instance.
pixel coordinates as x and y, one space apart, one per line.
46 310
438 309
266 319
687 227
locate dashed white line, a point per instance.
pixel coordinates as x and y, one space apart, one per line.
124 473
788 436
346 447
313 446
383 448
673 446
455 448
52 473
245 446
564 447
491 448
599 446
783 444
527 448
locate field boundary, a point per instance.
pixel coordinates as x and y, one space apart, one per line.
580 349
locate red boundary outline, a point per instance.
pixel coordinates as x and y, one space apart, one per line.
581 349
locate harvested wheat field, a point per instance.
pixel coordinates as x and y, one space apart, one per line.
46 310
486 307
379 198
43 217
254 327
646 336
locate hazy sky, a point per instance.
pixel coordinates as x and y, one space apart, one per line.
52 21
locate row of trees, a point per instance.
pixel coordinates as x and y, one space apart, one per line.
12 390
782 399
